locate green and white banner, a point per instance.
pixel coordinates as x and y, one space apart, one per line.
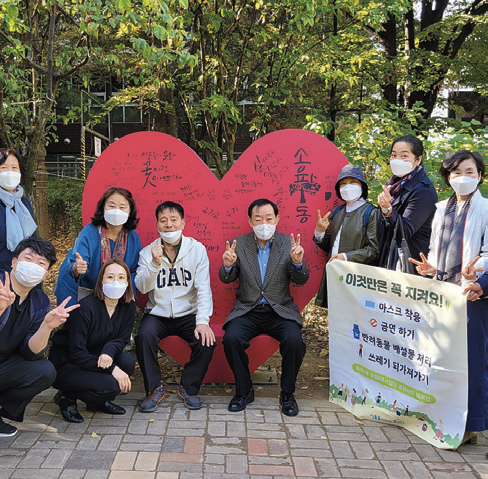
398 351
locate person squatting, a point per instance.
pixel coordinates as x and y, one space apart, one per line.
97 283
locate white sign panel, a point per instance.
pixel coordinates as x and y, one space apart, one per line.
98 147
398 350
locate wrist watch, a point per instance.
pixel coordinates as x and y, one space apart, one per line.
386 211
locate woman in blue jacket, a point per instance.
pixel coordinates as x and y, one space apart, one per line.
111 234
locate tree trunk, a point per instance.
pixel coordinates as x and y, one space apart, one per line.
37 177
333 88
165 119
333 112
41 194
388 38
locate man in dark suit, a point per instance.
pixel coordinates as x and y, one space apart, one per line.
264 262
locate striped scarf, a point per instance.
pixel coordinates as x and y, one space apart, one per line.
450 254
396 183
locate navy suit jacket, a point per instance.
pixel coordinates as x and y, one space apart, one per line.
416 205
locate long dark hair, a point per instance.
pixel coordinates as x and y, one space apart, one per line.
98 218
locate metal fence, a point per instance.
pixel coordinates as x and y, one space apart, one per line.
63 166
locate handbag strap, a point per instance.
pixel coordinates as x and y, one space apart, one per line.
399 229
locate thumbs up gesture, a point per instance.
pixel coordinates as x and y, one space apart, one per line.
157 254
229 256
80 266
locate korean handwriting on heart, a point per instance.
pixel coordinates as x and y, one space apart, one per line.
295 169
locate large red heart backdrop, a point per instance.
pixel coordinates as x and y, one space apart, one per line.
296 169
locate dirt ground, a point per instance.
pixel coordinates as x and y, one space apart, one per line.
313 379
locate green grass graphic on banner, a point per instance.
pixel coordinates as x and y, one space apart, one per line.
394 384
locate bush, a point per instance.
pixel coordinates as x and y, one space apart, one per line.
64 196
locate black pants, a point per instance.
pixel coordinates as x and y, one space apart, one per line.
20 381
155 328
263 320
92 387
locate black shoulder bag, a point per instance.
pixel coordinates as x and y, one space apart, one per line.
399 252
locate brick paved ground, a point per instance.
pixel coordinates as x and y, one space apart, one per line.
173 443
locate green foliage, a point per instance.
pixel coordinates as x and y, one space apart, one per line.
64 204
466 136
44 44
472 63
344 67
368 145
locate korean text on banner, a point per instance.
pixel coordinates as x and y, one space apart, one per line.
398 350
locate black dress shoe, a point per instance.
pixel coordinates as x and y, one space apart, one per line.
289 406
68 408
239 403
107 407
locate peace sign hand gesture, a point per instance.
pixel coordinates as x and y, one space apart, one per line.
322 222
229 256
424 268
7 296
296 251
58 315
469 272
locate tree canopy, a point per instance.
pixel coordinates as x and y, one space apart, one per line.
357 71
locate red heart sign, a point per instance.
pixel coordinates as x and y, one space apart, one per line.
295 169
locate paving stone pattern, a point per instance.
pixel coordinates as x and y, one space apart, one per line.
323 441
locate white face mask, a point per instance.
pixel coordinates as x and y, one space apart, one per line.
264 231
29 274
9 180
114 290
170 237
464 185
115 217
400 167
350 193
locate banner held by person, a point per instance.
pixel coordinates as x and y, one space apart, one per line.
398 351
